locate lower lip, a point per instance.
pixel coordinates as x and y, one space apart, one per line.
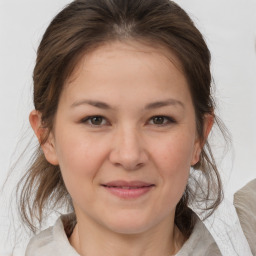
129 193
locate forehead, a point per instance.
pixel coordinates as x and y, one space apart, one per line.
127 69
124 51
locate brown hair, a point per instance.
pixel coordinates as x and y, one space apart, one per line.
80 27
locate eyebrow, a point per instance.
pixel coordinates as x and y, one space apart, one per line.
153 105
97 104
168 102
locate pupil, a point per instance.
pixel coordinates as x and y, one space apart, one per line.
96 120
158 120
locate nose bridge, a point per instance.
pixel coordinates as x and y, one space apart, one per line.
128 147
129 140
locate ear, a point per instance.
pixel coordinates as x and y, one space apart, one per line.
47 146
199 143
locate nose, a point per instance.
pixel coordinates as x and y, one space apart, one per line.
128 149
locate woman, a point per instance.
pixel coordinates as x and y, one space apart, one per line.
122 112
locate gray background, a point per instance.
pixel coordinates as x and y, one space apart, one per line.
229 28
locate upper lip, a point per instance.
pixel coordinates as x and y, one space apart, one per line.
122 183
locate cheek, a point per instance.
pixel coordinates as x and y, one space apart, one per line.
175 155
173 160
80 158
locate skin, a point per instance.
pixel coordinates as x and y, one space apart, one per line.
127 143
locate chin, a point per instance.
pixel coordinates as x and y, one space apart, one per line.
130 224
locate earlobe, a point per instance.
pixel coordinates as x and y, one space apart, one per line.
47 144
49 150
196 155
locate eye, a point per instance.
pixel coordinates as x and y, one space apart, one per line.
161 120
95 120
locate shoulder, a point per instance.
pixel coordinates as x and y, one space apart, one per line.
52 241
245 204
200 242
41 243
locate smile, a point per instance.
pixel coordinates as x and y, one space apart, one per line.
128 190
126 187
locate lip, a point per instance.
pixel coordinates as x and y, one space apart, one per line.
132 184
128 189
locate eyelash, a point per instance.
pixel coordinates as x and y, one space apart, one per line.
89 120
167 120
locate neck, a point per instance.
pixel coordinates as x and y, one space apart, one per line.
165 239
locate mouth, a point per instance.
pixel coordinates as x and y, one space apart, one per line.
128 190
123 187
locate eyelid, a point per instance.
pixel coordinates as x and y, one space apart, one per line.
87 119
170 120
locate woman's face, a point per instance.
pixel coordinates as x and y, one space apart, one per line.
125 137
